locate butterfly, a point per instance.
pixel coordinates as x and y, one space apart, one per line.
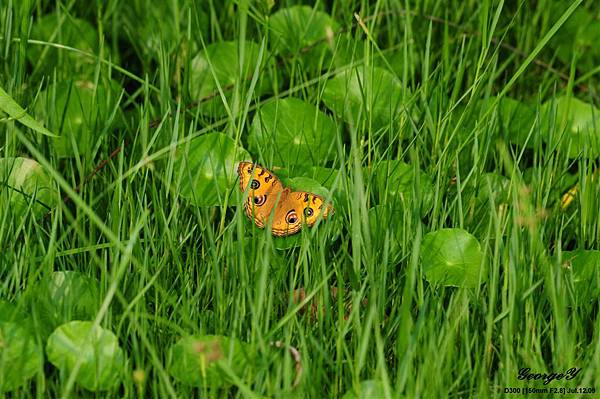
267 194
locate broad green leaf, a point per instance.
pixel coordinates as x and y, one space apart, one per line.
396 184
371 93
163 27
368 389
97 351
225 60
207 170
291 132
15 111
79 112
452 257
64 296
585 266
578 37
197 360
491 196
348 50
388 223
325 176
24 184
517 119
20 356
302 183
63 29
577 126
9 312
303 31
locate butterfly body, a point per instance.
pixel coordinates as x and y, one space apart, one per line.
267 197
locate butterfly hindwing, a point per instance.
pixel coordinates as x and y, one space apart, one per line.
267 194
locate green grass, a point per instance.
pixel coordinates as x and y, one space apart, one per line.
167 265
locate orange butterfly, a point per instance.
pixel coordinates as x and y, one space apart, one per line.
267 195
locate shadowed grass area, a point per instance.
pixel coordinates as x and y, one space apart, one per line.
457 141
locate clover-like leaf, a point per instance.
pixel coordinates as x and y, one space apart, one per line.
20 356
198 360
24 184
207 170
96 351
291 132
452 257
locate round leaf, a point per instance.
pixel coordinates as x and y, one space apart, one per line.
577 38
452 257
585 265
63 297
291 131
368 93
580 122
77 112
23 184
197 360
517 119
224 57
302 30
368 389
20 356
396 182
386 221
208 168
68 31
97 349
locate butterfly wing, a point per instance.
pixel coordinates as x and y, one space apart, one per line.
298 206
264 190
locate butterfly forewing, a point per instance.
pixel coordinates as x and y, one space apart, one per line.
264 190
266 194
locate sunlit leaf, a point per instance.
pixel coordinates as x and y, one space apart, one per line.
96 350
24 184
20 356
64 296
577 126
452 257
198 360
368 389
